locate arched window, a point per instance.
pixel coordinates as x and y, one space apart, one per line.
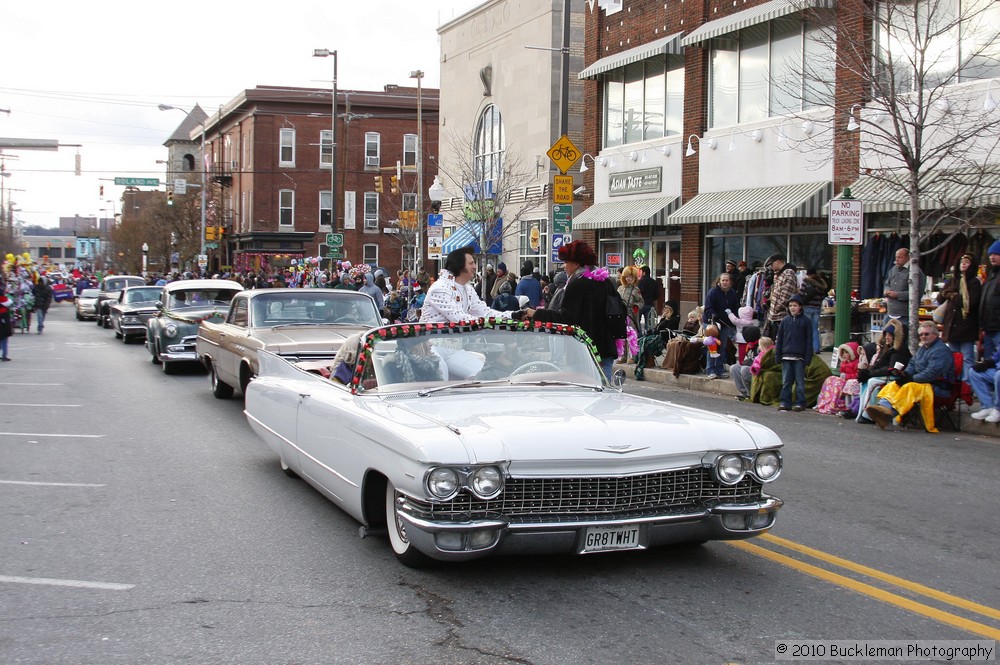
189 162
488 149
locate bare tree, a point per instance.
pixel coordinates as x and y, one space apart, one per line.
498 190
925 137
165 228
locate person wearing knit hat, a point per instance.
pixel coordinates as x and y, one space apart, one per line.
989 303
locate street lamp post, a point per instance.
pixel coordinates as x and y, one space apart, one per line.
419 75
204 203
145 257
323 53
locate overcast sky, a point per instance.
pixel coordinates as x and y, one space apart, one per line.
93 73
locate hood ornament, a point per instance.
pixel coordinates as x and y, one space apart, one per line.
619 449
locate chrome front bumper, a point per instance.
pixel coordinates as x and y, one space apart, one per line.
482 538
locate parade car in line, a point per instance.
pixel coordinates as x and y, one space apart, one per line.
86 304
296 323
183 305
111 288
487 438
134 307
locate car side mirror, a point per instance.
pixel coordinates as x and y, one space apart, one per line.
618 378
159 306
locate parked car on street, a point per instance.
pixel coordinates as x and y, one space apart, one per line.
86 304
183 305
296 323
111 287
132 310
482 438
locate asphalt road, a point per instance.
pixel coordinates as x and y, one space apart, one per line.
143 522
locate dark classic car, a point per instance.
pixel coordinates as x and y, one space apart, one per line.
111 287
132 310
495 437
296 323
171 333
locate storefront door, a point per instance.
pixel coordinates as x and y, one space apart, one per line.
666 267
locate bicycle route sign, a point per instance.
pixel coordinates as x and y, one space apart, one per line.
564 154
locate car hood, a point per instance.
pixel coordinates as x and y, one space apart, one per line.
290 340
591 430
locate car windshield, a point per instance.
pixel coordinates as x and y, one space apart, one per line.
90 293
411 357
307 306
141 295
199 298
117 284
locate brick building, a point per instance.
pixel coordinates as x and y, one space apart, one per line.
700 154
269 173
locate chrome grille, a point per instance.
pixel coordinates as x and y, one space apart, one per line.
599 496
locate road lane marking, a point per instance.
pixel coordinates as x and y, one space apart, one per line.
80 584
48 406
11 383
72 436
973 627
28 482
886 577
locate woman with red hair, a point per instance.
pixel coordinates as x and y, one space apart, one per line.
584 300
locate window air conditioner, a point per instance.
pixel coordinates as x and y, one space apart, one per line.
371 161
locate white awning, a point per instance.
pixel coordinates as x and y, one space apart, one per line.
620 214
745 205
940 189
666 46
753 16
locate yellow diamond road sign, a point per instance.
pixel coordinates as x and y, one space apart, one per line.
564 154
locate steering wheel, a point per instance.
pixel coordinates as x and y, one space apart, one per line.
532 367
344 319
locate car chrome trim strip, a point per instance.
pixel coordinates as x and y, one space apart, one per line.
298 449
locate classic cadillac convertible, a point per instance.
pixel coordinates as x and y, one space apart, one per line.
496 437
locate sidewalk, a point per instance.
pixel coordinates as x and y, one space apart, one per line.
702 383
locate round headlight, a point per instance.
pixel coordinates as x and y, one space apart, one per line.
170 330
487 482
729 468
767 466
442 482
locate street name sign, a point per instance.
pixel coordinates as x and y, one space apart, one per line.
847 222
138 182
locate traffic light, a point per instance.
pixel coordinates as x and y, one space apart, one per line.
219 230
393 184
210 233
378 184
101 190
170 197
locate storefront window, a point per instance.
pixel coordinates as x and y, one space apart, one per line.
719 250
533 244
812 251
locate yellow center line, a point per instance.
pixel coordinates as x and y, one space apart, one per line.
865 589
985 610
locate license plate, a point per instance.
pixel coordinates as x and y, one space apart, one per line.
604 538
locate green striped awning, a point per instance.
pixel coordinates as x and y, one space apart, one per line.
940 189
666 46
620 214
753 16
744 205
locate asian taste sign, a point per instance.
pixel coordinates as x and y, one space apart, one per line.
635 182
847 222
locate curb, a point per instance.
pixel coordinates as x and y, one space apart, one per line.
726 387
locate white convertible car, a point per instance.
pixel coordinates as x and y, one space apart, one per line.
489 437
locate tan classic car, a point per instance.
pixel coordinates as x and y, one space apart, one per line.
301 324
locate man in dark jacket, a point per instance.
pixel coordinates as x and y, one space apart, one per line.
649 289
989 305
721 300
43 298
529 285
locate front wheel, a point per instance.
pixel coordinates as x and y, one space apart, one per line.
401 546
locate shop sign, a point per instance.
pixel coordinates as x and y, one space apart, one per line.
613 260
635 182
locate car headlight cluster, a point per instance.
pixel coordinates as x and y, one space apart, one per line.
484 482
731 468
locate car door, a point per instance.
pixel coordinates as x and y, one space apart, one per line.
232 337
